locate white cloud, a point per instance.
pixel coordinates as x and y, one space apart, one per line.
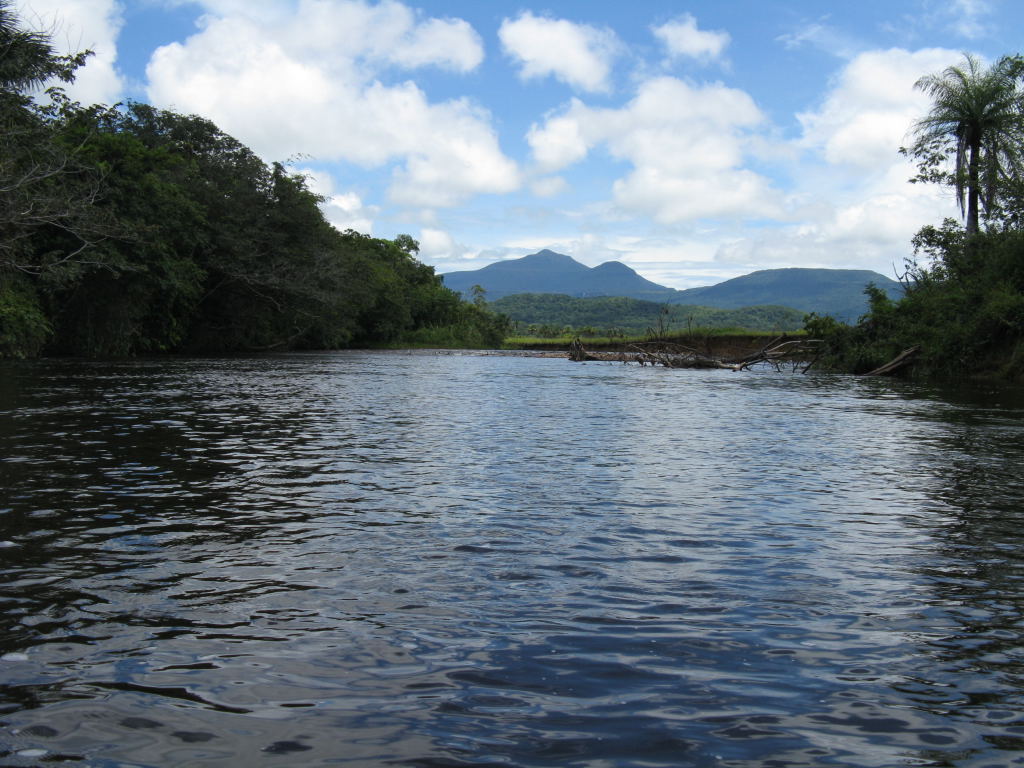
847 201
443 252
576 54
872 106
77 25
319 67
560 142
449 42
345 210
851 204
435 243
438 246
872 231
686 144
384 33
681 37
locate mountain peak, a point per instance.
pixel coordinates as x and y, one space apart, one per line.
838 292
549 272
613 267
548 255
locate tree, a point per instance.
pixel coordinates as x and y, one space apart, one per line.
479 294
977 117
47 219
27 60
43 187
407 244
133 229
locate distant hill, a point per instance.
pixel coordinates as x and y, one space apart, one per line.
634 316
550 272
836 292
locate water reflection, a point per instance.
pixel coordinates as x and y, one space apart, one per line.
974 613
468 560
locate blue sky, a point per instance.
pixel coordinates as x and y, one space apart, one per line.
692 141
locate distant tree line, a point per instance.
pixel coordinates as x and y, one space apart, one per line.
133 230
964 300
550 315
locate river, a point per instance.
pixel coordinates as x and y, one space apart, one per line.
423 559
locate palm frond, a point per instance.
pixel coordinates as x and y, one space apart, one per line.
977 113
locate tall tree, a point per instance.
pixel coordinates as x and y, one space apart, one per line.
27 60
42 185
977 117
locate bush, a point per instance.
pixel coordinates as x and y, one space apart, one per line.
24 329
964 307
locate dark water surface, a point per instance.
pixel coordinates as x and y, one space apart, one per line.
449 560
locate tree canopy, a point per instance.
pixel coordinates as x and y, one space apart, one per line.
135 230
977 117
964 301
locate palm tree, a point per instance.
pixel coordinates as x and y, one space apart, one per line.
27 59
976 114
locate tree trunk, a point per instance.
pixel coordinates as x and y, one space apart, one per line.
903 359
973 182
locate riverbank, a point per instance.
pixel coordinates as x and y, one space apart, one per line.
714 345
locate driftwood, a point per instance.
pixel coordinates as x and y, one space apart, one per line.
904 358
797 352
577 353
671 356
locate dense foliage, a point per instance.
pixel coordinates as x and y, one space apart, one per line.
550 314
975 122
964 308
964 303
132 230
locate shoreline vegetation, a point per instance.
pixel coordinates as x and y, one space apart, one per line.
130 230
963 305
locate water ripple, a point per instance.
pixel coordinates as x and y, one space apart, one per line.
454 560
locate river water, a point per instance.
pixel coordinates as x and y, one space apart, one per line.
458 560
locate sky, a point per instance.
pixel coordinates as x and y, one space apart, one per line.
693 141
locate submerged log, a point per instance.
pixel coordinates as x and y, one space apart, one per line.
903 359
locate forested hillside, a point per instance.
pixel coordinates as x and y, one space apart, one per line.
543 314
134 230
835 292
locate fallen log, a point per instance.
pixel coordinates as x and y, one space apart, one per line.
672 355
795 350
903 359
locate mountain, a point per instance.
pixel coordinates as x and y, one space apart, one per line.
550 272
836 292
